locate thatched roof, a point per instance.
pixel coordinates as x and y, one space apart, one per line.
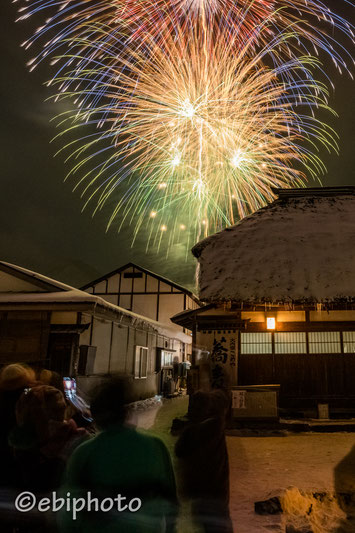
300 248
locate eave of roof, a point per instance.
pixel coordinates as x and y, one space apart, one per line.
187 318
190 319
67 298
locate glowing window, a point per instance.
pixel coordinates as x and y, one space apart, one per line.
141 362
256 343
290 342
324 342
349 341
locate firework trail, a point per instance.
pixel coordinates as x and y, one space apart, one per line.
140 21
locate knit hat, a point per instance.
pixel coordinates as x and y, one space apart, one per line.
16 376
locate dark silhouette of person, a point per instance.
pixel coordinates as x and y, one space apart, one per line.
121 461
43 440
14 379
40 442
344 482
176 372
203 459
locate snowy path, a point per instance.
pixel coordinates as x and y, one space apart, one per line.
261 467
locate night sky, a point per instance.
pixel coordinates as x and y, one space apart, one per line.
41 224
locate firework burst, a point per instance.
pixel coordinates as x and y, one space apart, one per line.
191 135
186 112
140 21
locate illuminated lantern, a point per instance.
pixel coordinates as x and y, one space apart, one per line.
270 322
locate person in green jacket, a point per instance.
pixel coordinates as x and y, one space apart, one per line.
123 479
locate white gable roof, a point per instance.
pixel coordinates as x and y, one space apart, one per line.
10 283
44 292
14 278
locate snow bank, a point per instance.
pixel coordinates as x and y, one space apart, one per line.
308 512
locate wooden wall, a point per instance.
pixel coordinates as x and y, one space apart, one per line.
146 295
23 336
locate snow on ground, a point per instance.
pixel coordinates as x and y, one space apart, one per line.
261 467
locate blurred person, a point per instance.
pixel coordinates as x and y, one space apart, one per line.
121 461
344 482
43 440
203 460
51 378
77 409
176 373
14 379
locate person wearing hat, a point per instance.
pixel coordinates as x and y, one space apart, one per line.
14 379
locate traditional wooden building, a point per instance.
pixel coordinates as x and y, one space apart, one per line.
48 324
280 288
139 290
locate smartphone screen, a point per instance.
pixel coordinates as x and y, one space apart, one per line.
69 387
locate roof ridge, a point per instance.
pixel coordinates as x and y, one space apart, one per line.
313 191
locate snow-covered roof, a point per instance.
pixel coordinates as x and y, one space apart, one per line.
47 293
300 248
14 278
